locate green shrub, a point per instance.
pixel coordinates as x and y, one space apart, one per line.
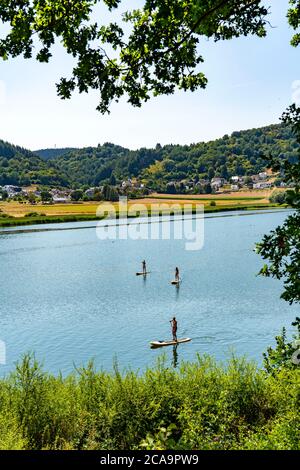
201 405
278 197
284 355
32 214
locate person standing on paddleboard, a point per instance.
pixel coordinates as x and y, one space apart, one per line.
174 328
144 267
177 274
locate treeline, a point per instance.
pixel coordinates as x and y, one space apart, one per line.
241 153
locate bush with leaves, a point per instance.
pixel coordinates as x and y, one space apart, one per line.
286 354
200 405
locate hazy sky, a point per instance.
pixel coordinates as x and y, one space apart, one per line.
251 82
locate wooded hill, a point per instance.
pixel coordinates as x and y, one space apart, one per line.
19 166
241 153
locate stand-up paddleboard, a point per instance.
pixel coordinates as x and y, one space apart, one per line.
143 274
176 283
160 344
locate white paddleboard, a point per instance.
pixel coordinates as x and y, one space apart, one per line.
143 274
160 344
176 283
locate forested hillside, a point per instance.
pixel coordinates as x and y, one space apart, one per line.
241 153
19 166
92 165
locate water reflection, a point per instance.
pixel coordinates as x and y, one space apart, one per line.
175 356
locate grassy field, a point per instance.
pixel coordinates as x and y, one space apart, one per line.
14 213
254 194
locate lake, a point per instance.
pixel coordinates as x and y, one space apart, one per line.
70 297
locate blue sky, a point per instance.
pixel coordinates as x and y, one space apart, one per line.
250 84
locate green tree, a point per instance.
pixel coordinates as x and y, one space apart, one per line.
46 196
110 194
157 55
31 198
278 197
112 180
171 188
4 195
281 248
76 195
208 188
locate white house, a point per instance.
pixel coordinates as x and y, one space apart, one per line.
61 199
262 185
90 192
217 183
12 190
126 184
235 179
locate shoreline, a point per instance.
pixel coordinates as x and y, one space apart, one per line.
247 210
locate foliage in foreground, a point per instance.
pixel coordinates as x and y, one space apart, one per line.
281 247
202 405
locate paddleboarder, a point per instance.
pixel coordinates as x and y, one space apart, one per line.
174 328
177 274
144 267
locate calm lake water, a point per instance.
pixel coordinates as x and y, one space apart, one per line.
70 297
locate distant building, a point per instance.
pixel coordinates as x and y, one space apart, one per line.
126 184
235 187
263 175
90 192
61 199
12 190
217 183
262 185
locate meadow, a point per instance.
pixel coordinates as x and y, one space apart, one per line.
14 213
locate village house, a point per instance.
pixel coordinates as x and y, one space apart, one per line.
262 185
126 184
12 190
61 199
235 179
217 183
60 196
90 192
